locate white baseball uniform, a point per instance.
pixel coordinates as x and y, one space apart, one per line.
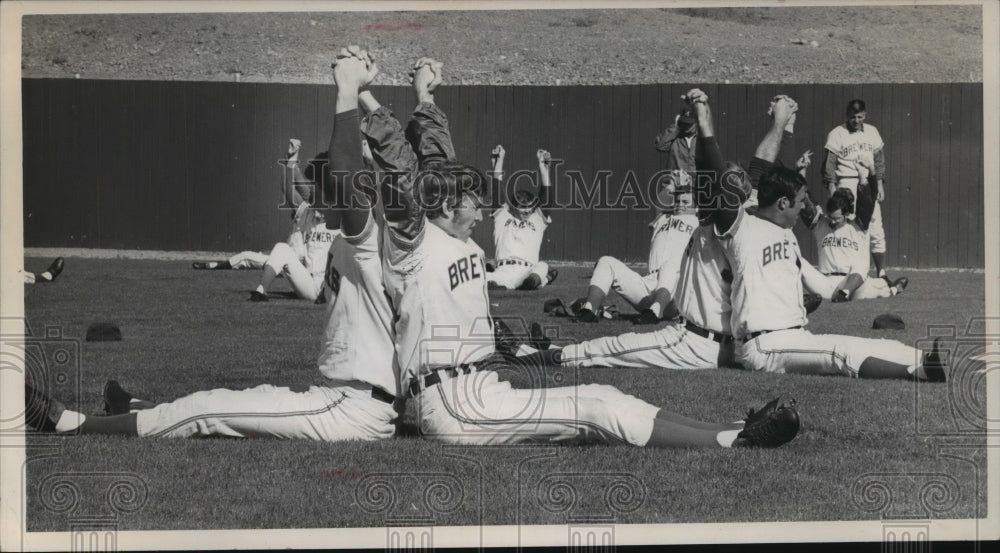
357 358
703 340
671 234
303 220
850 147
842 252
306 276
517 246
445 337
768 316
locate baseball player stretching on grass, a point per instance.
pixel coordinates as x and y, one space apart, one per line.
518 229
671 232
436 277
768 316
359 401
305 274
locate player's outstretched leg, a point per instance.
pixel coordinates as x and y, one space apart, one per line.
46 414
119 402
50 274
211 265
773 425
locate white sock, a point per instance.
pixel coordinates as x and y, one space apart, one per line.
586 305
655 308
893 291
260 289
70 421
727 437
45 276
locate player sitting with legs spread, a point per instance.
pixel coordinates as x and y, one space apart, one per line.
518 229
843 254
649 294
768 315
435 274
359 399
299 194
50 274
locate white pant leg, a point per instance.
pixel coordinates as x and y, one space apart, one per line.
542 270
799 351
319 414
828 285
872 288
509 276
284 260
612 273
477 409
671 347
876 231
248 260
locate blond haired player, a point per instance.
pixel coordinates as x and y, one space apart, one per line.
649 294
360 398
518 230
436 277
768 316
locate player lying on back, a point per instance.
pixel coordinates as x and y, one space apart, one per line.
299 194
358 401
436 277
768 316
50 274
844 258
650 294
518 229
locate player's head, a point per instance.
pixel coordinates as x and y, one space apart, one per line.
781 195
524 204
687 125
676 192
856 114
839 206
451 195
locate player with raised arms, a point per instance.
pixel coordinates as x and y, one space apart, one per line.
436 277
518 230
360 399
768 315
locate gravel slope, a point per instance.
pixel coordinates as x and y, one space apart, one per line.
550 47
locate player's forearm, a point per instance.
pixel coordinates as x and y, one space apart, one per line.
300 189
346 165
368 102
880 165
829 169
770 145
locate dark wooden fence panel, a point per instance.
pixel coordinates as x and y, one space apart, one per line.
195 166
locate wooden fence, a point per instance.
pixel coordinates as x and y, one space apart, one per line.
194 165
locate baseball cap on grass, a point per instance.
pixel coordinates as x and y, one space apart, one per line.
888 321
104 332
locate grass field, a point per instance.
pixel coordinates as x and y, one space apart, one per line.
186 331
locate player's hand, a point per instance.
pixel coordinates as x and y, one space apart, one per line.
804 160
366 152
354 68
544 159
426 74
881 192
294 145
496 158
695 96
783 110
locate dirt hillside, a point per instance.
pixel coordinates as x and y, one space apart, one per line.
550 47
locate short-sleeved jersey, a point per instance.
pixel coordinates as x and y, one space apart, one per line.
845 250
438 287
358 340
317 243
671 234
852 146
703 290
767 275
517 239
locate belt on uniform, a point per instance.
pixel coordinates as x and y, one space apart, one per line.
503 262
436 376
382 395
836 274
753 335
705 333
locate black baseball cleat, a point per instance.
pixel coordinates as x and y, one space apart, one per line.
773 425
538 338
506 342
490 267
900 283
41 412
841 296
647 317
935 368
116 399
257 296
55 268
587 315
200 265
550 277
